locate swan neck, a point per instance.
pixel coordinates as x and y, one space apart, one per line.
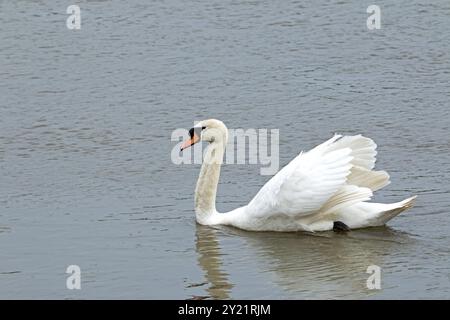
206 190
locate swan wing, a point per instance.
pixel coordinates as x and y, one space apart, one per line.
307 183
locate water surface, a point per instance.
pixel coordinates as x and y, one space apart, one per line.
86 118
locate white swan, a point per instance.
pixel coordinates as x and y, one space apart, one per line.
323 189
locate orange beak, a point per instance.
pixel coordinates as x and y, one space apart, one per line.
189 142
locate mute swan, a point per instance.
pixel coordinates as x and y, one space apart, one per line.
323 189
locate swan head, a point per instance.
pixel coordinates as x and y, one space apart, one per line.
211 131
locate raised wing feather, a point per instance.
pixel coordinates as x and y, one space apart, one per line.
364 150
304 185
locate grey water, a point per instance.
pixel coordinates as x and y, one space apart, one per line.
86 117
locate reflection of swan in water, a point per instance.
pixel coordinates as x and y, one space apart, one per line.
208 250
304 266
327 266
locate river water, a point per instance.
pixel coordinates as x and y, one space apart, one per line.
86 117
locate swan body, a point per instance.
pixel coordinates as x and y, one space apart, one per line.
330 183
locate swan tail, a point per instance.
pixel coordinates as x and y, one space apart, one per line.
369 214
393 210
